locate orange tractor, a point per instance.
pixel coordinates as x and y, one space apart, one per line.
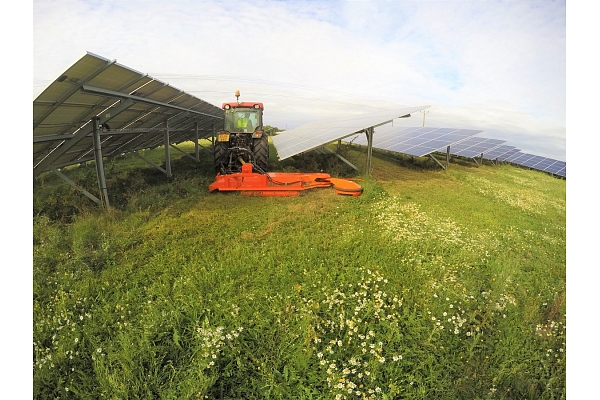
243 140
241 154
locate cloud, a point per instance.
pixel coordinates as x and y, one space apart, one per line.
494 65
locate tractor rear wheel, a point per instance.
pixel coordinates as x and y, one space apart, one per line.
260 149
220 153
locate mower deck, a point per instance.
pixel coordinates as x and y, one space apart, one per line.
250 183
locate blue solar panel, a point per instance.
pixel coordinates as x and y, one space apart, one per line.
508 154
519 158
533 161
545 163
539 163
474 147
415 141
556 166
498 152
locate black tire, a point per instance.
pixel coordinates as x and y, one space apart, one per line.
220 153
260 149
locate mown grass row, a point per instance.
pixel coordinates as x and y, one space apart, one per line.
431 284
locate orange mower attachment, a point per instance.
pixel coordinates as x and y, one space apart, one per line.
250 183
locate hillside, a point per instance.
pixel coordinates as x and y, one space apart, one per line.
430 285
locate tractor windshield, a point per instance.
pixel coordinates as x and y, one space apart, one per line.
242 120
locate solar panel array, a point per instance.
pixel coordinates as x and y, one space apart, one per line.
312 135
540 163
417 142
134 106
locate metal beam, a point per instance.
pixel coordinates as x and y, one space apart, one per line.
435 159
76 186
78 136
120 95
183 152
141 157
340 157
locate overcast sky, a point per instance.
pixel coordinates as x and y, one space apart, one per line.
497 66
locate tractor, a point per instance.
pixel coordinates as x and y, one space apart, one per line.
242 140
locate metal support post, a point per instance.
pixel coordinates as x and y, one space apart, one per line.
167 151
369 132
99 162
447 157
213 137
196 144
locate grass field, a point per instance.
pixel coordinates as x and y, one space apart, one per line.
430 285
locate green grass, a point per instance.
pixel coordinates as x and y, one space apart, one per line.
430 285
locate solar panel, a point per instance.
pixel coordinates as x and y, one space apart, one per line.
310 136
556 167
518 158
134 106
475 146
498 152
413 141
533 161
508 154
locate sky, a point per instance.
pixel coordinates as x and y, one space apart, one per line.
496 66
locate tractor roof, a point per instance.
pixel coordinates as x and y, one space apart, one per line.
244 104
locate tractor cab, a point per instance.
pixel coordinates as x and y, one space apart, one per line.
243 117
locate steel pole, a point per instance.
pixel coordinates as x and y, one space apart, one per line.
196 145
99 162
167 150
369 149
